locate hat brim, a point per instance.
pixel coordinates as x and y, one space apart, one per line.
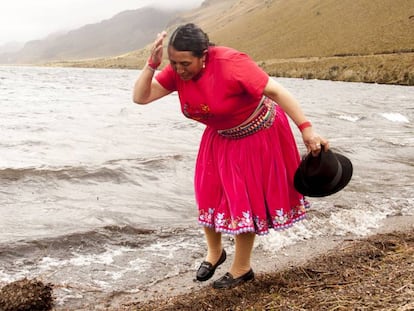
312 191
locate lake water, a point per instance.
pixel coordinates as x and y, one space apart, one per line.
96 193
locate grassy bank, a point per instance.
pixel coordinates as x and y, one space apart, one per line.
384 68
392 68
372 274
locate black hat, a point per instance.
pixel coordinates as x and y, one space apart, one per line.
323 175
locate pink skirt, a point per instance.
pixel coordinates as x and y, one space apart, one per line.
246 185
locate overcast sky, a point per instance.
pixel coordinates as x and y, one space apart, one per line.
25 20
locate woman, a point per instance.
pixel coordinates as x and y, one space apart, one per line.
247 156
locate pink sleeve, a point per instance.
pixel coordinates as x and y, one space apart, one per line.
248 74
167 78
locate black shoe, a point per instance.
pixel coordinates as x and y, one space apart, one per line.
227 281
206 269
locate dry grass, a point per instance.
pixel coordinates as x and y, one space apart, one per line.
385 68
395 68
372 274
297 28
26 295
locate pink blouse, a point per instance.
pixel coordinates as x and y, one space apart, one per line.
228 91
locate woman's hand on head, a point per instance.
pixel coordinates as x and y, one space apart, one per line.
157 49
314 142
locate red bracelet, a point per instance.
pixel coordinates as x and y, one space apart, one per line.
304 125
153 65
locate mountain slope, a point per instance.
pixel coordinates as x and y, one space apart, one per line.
350 40
296 28
279 29
126 31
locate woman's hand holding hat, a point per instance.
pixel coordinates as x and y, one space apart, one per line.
313 141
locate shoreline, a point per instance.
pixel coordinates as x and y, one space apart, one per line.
183 285
319 265
390 68
387 68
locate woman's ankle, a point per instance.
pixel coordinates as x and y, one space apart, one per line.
214 255
237 272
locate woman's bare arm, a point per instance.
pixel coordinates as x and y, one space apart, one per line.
146 88
289 104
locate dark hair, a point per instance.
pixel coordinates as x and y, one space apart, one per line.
190 37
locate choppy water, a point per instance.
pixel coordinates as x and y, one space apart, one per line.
97 193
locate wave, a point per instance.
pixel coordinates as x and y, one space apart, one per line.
153 162
96 239
395 117
65 173
114 170
350 118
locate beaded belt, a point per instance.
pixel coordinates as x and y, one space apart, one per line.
261 118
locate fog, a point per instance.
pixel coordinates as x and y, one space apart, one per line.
25 20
